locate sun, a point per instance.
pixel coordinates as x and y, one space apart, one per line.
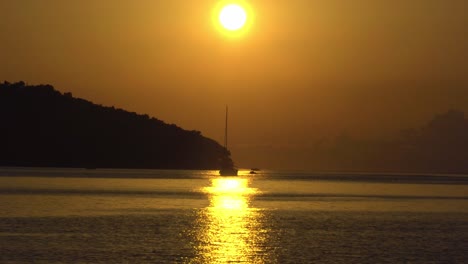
233 17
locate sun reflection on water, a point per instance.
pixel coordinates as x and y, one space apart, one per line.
231 231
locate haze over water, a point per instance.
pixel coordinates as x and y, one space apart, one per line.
364 86
305 73
144 216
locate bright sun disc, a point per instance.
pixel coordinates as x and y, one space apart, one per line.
233 17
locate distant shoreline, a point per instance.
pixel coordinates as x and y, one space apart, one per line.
358 177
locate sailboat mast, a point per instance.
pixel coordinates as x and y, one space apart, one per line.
226 130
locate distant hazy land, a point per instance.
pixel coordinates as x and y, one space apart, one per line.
41 127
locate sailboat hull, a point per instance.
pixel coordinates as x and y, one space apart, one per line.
228 172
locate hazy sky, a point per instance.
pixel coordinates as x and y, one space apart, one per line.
305 70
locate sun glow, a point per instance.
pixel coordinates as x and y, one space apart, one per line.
233 17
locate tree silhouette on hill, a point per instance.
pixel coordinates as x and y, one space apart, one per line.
42 127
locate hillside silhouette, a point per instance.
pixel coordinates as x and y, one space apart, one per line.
42 127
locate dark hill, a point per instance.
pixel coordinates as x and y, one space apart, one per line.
40 126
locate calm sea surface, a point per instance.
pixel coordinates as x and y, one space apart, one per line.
148 216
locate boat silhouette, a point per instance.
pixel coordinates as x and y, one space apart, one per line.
227 166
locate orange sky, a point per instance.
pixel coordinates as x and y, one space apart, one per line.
306 69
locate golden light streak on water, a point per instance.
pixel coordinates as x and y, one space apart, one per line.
231 231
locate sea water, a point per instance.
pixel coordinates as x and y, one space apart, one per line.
154 216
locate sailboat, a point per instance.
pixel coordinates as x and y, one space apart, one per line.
227 167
